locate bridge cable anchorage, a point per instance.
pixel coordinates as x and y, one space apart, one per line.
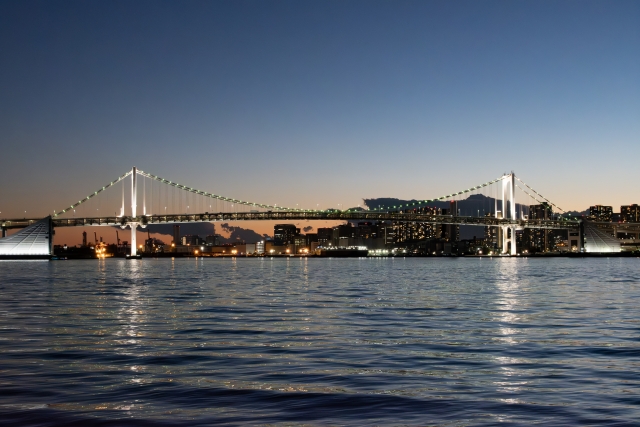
422 202
218 197
90 196
547 200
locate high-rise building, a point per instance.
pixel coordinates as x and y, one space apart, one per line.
538 240
600 213
283 234
407 232
541 211
630 213
450 232
176 234
491 234
344 235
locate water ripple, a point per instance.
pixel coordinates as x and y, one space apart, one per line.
320 342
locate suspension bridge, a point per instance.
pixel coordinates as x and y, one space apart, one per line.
138 199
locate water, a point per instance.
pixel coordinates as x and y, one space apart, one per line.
320 342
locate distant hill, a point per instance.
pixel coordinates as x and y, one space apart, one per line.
474 205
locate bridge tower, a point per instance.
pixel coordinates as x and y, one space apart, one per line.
133 224
508 232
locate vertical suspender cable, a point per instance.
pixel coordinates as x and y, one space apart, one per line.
122 208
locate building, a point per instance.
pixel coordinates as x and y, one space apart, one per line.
324 236
449 232
406 232
192 240
535 239
213 240
300 241
344 235
491 234
176 234
600 213
541 211
630 213
283 234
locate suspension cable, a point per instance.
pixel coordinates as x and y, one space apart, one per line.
177 186
422 202
95 193
215 196
547 200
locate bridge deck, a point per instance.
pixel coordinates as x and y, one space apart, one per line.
296 216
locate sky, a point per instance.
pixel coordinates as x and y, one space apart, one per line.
319 103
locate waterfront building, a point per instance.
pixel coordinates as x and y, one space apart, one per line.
212 239
300 243
192 240
283 234
324 236
343 235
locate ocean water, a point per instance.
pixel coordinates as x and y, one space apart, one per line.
370 341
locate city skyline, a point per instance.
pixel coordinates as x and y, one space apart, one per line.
320 104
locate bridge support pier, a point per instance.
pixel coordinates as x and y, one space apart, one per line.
134 198
134 245
4 232
509 240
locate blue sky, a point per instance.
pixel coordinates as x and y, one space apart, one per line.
320 102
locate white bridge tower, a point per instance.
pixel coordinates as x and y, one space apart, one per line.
508 232
133 224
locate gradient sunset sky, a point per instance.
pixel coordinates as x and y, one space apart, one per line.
320 102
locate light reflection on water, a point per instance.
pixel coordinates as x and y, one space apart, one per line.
328 341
